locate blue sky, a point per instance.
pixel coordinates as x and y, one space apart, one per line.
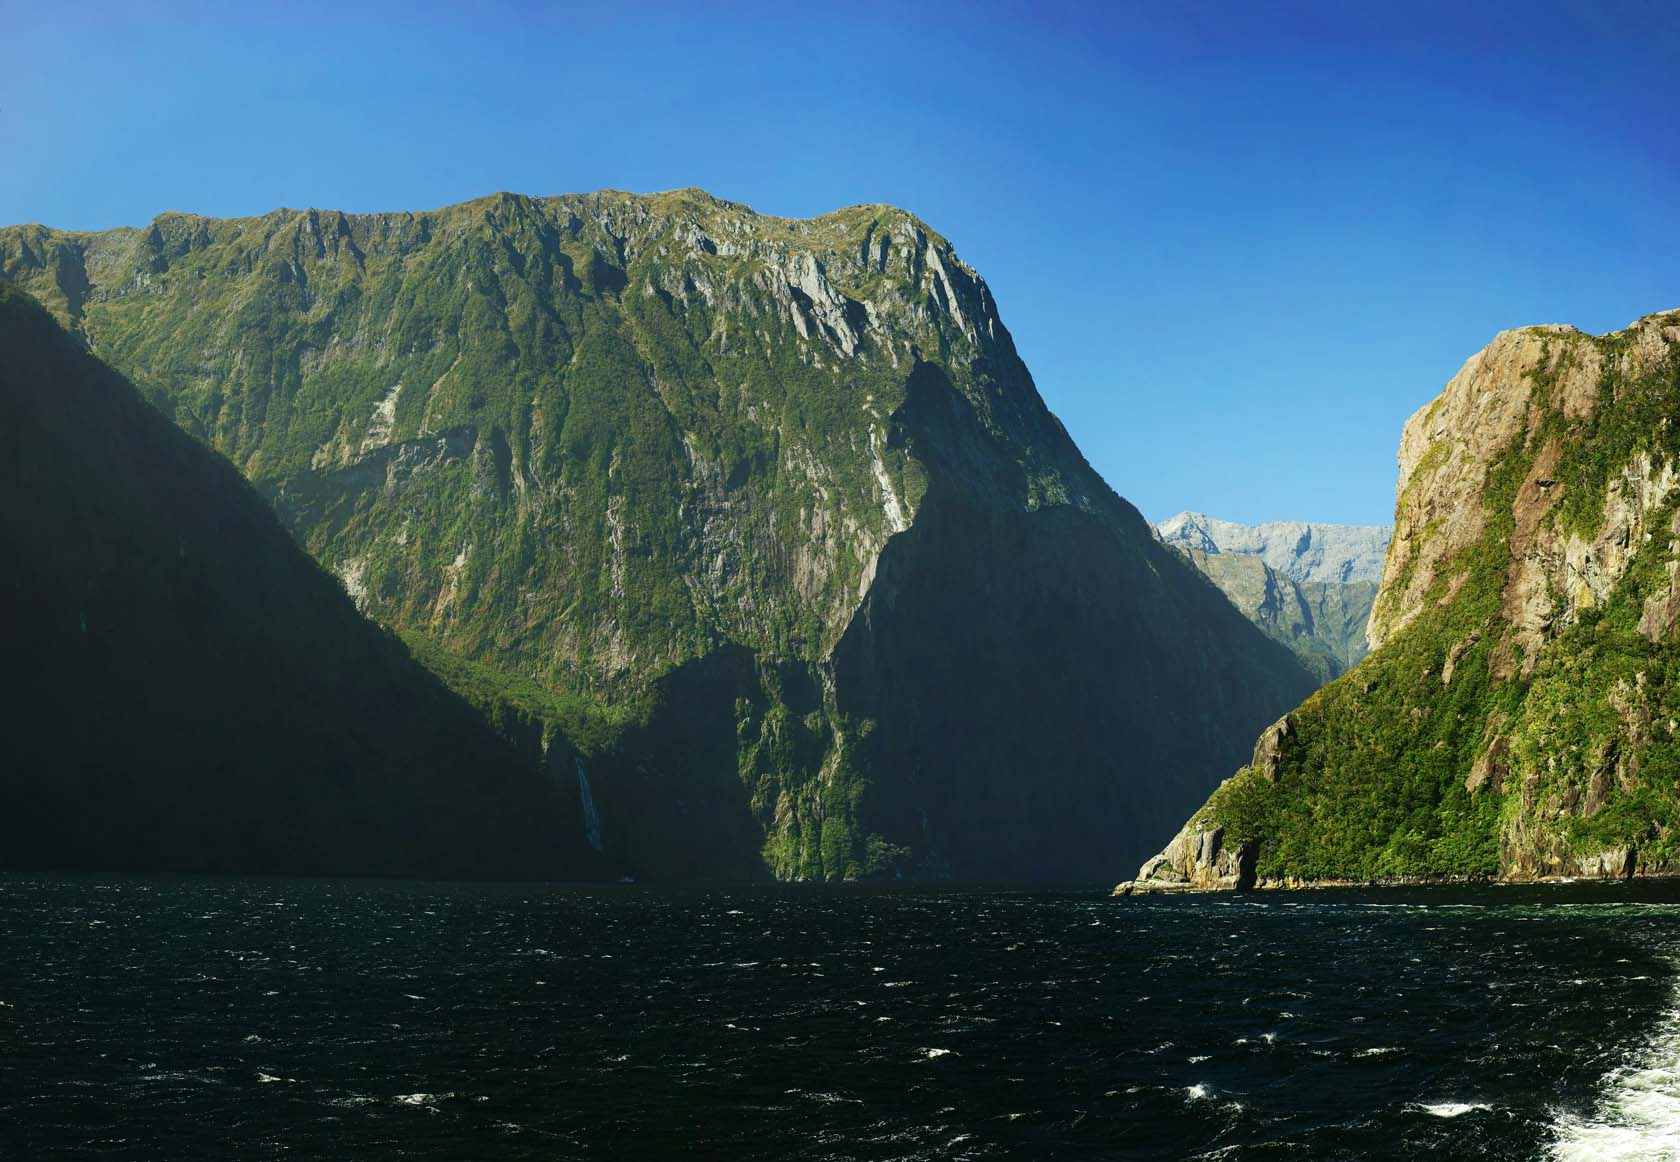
1237 243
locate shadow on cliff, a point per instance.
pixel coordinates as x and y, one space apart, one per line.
1052 689
671 801
186 690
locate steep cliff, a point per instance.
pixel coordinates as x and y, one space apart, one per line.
186 690
1519 715
776 497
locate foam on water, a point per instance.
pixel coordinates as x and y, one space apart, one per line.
1451 1109
1638 1110
420 1099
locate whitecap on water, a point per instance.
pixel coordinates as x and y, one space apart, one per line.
1638 1110
1450 1109
823 1098
354 1101
420 1099
932 1053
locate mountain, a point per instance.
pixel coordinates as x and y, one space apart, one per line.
1517 716
1296 550
772 504
186 690
1309 586
1323 622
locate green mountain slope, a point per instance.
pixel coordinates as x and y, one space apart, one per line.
1518 716
186 690
778 495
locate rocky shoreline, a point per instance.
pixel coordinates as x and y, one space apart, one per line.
1199 861
1294 884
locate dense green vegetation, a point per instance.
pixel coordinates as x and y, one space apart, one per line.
1461 747
187 690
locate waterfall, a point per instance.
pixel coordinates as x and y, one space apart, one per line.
591 819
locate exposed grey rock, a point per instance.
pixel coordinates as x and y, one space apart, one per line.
1197 860
1299 550
1268 749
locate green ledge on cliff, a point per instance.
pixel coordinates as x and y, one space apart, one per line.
1518 718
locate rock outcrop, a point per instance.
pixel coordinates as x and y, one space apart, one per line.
1197 860
1519 715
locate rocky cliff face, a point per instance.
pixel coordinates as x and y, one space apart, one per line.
1518 714
767 513
188 691
1309 586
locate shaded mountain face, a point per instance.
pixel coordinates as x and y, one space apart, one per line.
187 690
1517 716
776 496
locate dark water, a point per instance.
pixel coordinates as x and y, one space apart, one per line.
177 1018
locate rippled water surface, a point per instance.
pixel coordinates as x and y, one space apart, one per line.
185 1018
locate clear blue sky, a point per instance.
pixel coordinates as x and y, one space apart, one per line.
1237 243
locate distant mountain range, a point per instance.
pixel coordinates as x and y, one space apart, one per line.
1309 586
1296 550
